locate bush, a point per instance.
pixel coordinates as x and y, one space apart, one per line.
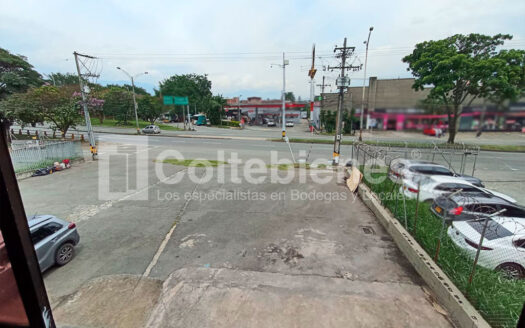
231 123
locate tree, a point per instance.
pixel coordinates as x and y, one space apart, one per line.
138 90
58 105
150 108
216 109
289 96
59 79
16 74
459 68
194 86
118 103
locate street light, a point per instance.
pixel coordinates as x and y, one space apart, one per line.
133 77
363 95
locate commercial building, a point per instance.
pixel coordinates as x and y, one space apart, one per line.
392 104
255 110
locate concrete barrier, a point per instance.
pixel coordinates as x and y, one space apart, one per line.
461 311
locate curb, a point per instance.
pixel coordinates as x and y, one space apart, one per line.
461 311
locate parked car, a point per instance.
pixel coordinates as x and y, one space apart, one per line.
289 124
431 187
54 240
407 169
153 129
503 246
270 123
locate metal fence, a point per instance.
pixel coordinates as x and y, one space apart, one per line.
459 158
44 154
479 242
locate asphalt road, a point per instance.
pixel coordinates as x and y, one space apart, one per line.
501 171
268 231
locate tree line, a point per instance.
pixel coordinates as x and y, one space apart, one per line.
28 98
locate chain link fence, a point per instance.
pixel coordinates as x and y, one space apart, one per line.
477 238
37 155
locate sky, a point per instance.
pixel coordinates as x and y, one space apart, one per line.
236 42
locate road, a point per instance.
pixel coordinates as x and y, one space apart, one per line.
230 252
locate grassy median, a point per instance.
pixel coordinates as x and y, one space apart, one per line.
401 144
498 299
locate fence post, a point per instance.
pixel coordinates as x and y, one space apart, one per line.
20 131
417 207
72 136
45 133
54 134
82 137
28 133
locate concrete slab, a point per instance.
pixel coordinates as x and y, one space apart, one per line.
200 297
109 301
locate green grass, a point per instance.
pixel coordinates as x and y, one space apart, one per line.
296 166
442 145
194 162
109 122
499 300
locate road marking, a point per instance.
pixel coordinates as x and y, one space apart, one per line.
85 212
162 246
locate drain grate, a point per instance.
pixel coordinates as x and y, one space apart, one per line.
368 230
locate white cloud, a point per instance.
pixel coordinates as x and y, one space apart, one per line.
48 33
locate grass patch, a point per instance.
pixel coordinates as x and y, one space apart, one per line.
296 166
441 145
194 162
112 123
499 300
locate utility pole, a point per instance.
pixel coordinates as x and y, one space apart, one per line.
239 105
283 93
322 93
83 91
311 74
342 83
363 95
134 99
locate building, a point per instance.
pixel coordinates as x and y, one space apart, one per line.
256 111
392 104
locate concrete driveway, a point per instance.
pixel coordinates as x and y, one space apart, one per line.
248 259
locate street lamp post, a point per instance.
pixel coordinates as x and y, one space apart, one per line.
363 94
283 119
132 78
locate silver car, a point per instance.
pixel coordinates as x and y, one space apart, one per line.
154 129
54 240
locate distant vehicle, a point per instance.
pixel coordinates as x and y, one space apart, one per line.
304 114
503 247
408 169
200 119
289 124
431 187
270 123
54 240
151 129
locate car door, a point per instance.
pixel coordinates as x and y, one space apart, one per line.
44 239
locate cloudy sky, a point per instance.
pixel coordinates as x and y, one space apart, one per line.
235 42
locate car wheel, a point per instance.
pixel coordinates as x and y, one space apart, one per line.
511 270
64 254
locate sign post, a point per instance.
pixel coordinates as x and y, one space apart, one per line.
175 100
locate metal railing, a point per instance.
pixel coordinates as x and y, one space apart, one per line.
40 155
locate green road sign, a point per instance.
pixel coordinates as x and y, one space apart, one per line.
173 100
